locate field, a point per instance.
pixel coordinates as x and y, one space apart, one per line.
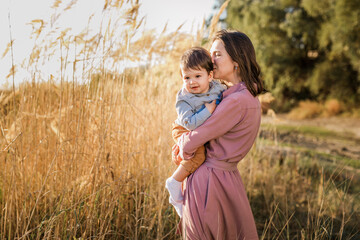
89 159
324 155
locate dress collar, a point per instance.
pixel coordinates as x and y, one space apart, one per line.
235 88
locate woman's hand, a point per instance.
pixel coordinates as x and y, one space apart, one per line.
211 106
175 154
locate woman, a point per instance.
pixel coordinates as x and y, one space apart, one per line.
215 201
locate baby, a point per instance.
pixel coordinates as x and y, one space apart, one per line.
195 103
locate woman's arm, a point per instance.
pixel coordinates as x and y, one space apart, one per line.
228 113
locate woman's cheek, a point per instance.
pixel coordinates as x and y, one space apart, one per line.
217 74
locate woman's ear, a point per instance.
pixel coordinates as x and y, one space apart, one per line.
236 66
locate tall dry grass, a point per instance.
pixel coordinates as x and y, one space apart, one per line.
88 159
312 109
90 168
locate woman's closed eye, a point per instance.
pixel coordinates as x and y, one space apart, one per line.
215 54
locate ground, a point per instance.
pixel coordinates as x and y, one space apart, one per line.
336 124
335 140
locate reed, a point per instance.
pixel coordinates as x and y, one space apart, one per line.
85 154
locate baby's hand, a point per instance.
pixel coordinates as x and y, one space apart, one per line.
211 106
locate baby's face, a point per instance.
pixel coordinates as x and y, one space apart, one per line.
195 80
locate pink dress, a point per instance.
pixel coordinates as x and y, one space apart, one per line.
215 204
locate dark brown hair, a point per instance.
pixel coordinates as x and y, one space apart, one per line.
242 51
197 58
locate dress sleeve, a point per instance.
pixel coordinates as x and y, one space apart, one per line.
187 118
226 115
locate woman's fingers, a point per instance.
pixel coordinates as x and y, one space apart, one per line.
176 149
179 158
173 158
175 154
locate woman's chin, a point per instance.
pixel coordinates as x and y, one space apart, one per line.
216 76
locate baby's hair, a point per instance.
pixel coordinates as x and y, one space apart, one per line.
197 58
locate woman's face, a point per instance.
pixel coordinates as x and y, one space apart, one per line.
224 67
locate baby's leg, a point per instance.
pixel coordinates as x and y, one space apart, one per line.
174 183
180 173
174 186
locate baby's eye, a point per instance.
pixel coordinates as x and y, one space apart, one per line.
198 76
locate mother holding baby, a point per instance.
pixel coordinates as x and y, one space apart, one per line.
215 201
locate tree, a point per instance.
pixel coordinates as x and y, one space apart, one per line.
307 49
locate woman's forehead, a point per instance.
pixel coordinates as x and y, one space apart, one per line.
217 46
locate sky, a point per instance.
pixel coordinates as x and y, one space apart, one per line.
157 13
176 12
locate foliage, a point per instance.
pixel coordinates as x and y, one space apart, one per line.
306 109
88 159
311 109
307 49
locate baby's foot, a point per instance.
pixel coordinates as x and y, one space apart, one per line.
176 197
177 205
174 188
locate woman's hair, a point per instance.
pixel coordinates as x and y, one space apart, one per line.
197 58
242 51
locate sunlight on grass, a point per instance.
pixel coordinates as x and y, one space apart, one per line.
89 159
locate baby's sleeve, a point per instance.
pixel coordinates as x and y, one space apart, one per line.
187 118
